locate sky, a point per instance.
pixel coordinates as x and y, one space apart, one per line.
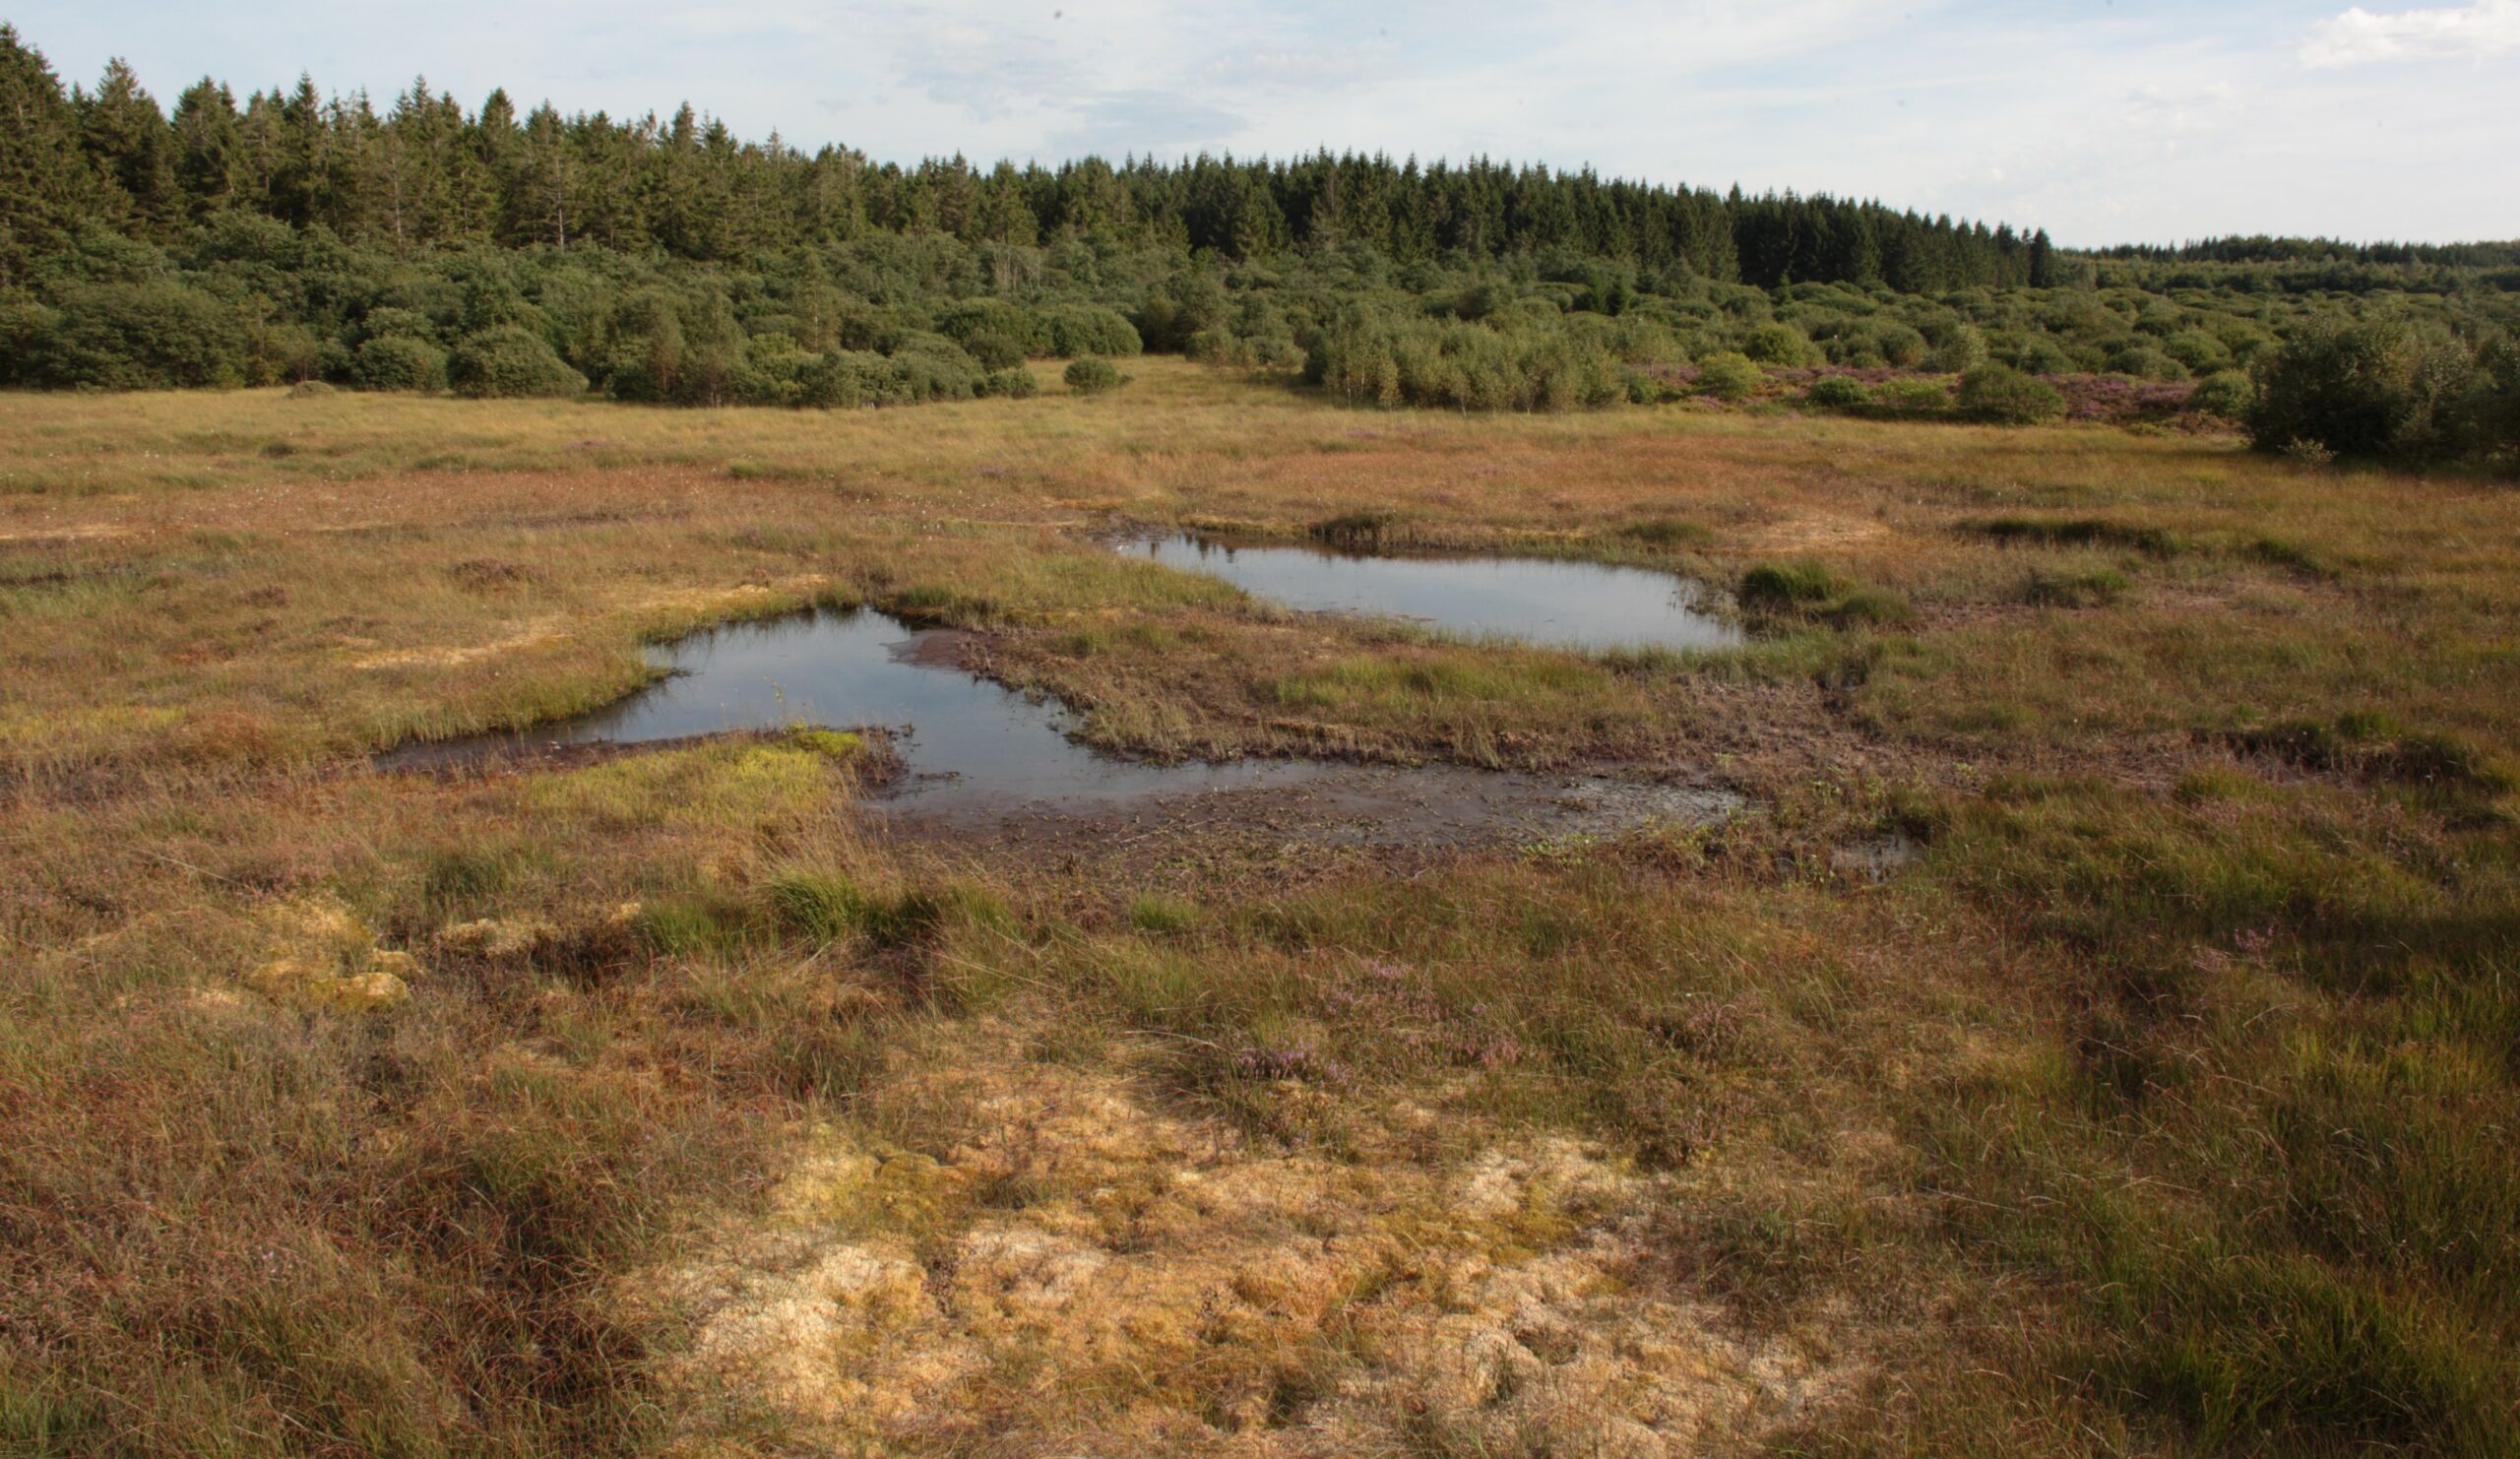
2104 122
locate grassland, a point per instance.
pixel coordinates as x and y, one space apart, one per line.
2162 1105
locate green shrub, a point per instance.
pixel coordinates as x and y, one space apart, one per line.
1070 330
2146 363
399 362
142 335
1911 398
2042 356
1014 383
510 360
1729 376
644 347
2004 395
2198 352
1366 357
932 367
1838 393
1779 345
1901 347
1482 299
391 319
993 351
2382 389
1091 375
1221 347
2493 421
845 379
1962 348
2225 393
969 321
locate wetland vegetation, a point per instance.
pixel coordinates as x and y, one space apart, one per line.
2148 1100
1561 817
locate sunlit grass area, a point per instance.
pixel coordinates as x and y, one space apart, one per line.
2152 1099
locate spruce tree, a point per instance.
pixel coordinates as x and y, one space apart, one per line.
209 146
43 184
2043 261
129 146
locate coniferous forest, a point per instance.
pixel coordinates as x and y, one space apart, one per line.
298 236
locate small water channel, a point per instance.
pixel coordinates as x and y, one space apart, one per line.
1552 603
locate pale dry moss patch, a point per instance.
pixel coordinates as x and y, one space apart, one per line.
743 600
454 656
1813 532
676 609
318 953
1087 1269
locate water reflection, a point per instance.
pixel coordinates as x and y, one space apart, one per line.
1587 605
967 743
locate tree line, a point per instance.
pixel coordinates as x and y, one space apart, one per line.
2263 248
421 172
299 238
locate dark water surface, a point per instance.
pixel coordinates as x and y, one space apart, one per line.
967 743
980 754
1546 601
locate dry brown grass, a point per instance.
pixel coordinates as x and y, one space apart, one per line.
2153 1111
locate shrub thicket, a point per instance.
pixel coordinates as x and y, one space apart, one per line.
2384 389
510 360
1495 365
124 335
995 351
399 362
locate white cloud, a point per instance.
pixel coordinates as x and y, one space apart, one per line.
2358 36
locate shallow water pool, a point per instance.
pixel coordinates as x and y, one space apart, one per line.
1548 601
965 740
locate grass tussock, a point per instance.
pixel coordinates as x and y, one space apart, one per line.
1812 590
